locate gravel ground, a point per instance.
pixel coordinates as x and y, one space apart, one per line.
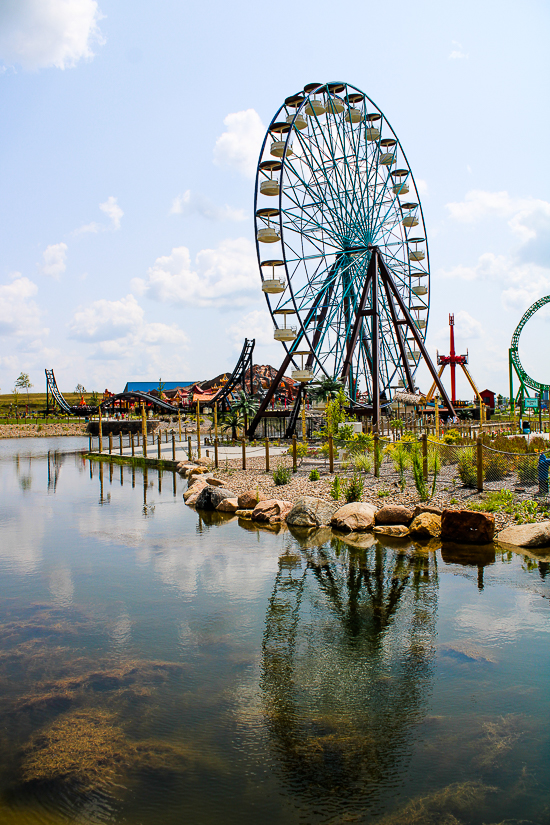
38 430
384 490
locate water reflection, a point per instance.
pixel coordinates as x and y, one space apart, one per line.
347 664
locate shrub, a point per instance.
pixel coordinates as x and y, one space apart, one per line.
383 493
527 469
336 489
526 512
501 501
314 475
282 475
354 489
467 467
418 474
401 458
452 437
362 463
495 466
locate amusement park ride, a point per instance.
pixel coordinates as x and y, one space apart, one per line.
515 365
352 249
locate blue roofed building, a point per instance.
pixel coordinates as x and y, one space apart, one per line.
147 386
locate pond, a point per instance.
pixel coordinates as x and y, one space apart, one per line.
157 666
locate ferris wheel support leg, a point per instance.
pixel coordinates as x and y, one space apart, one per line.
361 313
398 332
375 346
416 336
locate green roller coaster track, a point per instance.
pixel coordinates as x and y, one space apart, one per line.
525 380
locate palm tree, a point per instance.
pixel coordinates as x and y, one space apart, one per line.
325 389
230 420
247 406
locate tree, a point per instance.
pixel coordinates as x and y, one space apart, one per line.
247 407
80 389
230 420
24 383
325 389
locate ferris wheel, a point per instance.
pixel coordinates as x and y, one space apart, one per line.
348 281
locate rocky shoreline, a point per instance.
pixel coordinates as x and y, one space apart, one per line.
38 430
253 496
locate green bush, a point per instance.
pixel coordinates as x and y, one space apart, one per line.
495 466
452 437
353 490
282 475
336 489
418 474
362 463
527 469
314 475
467 467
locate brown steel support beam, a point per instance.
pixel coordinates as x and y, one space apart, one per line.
413 328
375 343
358 320
396 324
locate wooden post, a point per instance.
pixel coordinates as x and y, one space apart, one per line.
436 407
216 462
110 443
243 443
267 455
294 453
89 443
100 431
133 444
159 441
120 443
425 456
179 422
215 421
198 430
330 454
173 446
479 464
189 450
304 434
376 456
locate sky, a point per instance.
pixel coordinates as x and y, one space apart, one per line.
129 144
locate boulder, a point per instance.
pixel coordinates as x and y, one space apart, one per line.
398 531
196 471
355 517
248 500
192 499
527 535
244 513
272 510
394 514
228 505
426 526
309 511
215 482
426 508
204 462
194 489
467 527
210 497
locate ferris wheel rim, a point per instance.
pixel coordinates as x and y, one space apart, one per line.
284 160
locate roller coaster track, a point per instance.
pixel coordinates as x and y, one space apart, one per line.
63 404
53 389
238 375
136 395
523 376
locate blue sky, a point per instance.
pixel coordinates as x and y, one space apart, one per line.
130 136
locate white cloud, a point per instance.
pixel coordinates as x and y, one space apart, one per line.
193 203
421 186
20 316
113 211
457 53
35 34
257 324
225 276
54 260
239 146
106 320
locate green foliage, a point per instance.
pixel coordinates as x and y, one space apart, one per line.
362 463
501 501
418 474
527 470
383 493
336 489
396 423
467 467
314 475
401 457
353 490
94 399
336 412
452 437
526 512
495 466
435 468
282 475
302 449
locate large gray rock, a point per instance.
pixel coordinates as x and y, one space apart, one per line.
270 510
309 511
394 514
527 535
210 497
467 527
354 518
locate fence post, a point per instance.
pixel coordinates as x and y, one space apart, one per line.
189 451
198 430
89 443
294 454
144 430
243 444
159 441
120 443
100 431
425 456
479 465
267 455
133 444
173 446
376 456
110 443
330 455
216 461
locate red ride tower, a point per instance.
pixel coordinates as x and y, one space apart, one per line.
452 359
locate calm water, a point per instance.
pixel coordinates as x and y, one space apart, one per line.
156 667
